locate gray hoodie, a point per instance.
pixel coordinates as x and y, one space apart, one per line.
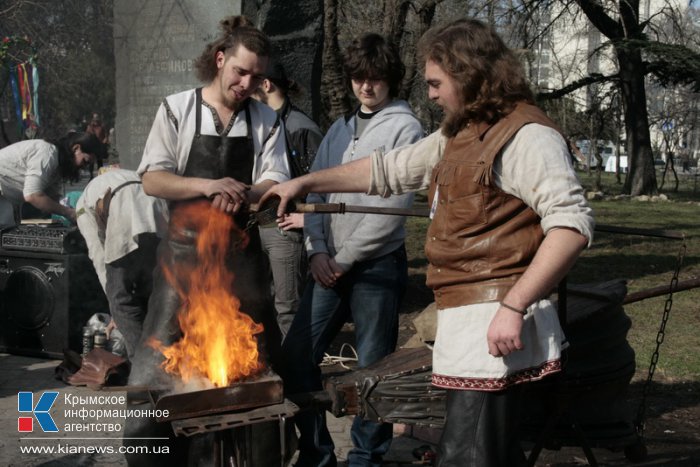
353 237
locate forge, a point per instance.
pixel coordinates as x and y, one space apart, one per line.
222 402
261 391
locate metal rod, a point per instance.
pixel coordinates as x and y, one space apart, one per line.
341 208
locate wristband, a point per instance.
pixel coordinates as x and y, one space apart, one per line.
512 308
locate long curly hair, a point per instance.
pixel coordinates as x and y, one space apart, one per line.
235 31
489 77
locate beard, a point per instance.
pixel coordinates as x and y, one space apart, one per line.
233 103
230 100
454 122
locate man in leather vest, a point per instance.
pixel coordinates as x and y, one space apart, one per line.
509 219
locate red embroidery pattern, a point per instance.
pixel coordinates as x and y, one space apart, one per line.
497 384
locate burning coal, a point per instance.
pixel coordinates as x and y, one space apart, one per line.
218 340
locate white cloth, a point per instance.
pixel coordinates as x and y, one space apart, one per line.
534 166
131 213
461 359
29 167
168 147
355 237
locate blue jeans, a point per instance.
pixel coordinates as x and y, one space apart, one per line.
371 293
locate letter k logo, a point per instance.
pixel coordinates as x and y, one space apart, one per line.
25 403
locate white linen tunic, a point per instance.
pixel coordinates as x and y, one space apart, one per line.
29 167
168 144
131 213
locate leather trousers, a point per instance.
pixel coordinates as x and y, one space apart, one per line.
481 430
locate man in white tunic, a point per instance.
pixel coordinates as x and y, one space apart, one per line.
212 148
121 225
509 220
215 147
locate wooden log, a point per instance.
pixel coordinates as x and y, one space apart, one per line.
661 290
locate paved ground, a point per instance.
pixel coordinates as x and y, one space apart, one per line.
672 436
19 373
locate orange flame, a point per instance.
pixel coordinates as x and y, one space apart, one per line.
218 340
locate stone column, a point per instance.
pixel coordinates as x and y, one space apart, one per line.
155 45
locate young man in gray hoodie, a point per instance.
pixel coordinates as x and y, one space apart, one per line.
358 261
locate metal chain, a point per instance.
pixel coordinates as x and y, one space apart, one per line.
639 424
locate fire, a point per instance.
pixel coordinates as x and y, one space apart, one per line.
218 340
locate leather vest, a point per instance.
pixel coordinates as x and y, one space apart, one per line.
481 239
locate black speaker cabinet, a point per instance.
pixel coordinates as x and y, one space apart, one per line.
45 300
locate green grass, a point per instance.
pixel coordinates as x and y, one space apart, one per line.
642 261
649 262
688 184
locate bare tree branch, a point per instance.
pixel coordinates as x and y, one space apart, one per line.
578 84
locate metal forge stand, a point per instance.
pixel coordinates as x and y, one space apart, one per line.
234 434
233 426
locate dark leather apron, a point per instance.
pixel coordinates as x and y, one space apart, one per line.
211 157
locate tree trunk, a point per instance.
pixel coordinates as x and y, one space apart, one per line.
598 172
335 100
675 174
641 176
425 15
618 129
670 163
395 12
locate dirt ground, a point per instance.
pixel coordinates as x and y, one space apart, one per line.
671 435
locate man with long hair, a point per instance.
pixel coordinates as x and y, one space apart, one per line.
215 145
509 219
212 147
32 171
284 243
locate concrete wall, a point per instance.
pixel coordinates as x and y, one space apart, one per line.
157 41
155 45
